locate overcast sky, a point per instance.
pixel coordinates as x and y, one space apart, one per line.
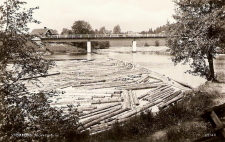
131 15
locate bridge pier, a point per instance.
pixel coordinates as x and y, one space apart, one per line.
88 46
134 46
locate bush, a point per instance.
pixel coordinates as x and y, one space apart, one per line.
146 44
156 43
103 45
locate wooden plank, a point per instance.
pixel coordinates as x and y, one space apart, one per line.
218 123
220 109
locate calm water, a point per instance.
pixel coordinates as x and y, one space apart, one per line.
160 63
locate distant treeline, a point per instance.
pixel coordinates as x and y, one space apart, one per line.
158 30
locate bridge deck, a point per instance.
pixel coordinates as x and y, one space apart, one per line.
85 37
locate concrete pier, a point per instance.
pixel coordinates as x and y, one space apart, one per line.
88 47
134 46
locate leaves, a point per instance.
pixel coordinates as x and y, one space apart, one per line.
198 31
22 112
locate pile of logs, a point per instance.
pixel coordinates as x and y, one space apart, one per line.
108 91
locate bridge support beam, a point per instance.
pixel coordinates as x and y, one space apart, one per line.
134 46
88 47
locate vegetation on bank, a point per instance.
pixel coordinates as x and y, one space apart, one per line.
179 122
195 36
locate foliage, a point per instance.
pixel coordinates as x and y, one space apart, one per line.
198 31
103 44
82 27
117 29
158 30
66 31
146 44
102 30
156 43
26 116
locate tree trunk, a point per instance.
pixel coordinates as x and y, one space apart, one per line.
211 75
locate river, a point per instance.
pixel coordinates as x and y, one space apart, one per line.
155 61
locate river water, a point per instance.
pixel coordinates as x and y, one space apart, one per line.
155 61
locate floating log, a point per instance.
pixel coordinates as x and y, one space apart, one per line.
139 86
99 127
96 121
95 81
173 96
142 79
105 91
116 95
45 75
96 113
156 91
131 99
127 104
164 94
106 100
144 95
168 102
102 108
80 109
134 95
146 106
101 115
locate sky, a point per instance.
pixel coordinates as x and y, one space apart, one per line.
131 15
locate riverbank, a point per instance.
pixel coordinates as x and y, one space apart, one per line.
151 49
180 122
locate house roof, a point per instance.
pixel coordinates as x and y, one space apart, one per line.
43 31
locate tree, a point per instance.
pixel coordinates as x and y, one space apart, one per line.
102 44
199 29
82 27
117 30
102 30
22 112
66 31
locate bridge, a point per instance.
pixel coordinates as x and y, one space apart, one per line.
100 37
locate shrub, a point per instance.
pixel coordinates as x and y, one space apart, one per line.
146 44
156 43
103 44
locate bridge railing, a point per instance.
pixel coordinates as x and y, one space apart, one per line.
80 36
